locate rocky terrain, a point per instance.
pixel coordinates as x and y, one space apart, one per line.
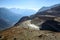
24 33
29 28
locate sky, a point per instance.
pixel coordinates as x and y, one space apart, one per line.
27 4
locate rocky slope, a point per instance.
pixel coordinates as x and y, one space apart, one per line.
24 33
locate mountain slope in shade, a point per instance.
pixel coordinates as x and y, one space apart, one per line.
43 9
6 14
4 24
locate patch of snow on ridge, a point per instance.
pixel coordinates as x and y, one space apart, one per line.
27 24
32 26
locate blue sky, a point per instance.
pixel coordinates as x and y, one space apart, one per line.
27 4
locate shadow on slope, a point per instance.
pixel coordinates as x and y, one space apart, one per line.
51 25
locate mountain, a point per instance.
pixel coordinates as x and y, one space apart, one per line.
13 15
45 13
4 24
52 10
47 17
43 9
23 12
6 14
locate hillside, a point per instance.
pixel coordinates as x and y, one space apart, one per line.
23 33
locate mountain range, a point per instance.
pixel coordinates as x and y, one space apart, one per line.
23 12
12 16
42 25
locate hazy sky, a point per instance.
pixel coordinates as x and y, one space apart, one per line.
27 4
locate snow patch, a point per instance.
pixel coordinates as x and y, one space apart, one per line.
32 26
